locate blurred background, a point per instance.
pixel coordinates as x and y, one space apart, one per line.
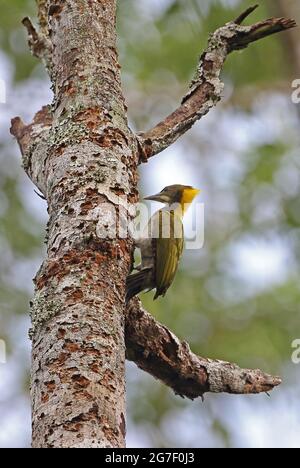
238 298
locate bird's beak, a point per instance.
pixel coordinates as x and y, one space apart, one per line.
159 197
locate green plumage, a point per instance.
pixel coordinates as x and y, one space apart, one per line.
168 251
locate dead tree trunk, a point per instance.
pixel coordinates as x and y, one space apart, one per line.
83 158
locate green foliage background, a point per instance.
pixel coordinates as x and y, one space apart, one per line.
236 299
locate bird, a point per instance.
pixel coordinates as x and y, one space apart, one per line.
161 243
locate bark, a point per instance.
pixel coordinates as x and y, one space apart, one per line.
83 158
80 154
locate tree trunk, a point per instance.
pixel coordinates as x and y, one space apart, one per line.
89 160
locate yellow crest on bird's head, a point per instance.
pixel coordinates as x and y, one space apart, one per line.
189 193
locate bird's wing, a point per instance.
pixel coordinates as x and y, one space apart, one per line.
169 246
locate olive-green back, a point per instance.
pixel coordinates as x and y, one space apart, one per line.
168 249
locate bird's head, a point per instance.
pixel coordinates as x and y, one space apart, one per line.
181 194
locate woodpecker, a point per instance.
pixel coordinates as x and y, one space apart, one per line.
161 244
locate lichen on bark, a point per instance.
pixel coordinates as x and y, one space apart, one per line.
81 154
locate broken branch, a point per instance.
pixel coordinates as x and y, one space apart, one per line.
39 44
206 88
156 350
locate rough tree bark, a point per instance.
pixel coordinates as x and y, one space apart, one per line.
80 154
83 158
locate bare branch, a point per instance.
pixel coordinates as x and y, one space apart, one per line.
32 140
206 88
260 31
159 352
240 19
39 44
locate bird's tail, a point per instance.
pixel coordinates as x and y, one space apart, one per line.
137 282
